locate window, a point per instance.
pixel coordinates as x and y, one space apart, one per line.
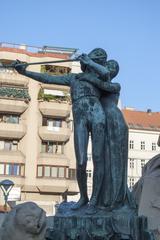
9 145
47 171
14 146
54 172
131 182
2 170
40 171
131 163
12 169
72 174
8 118
142 163
52 147
142 145
16 169
51 171
1 145
89 157
89 173
61 172
52 122
154 146
131 144
47 147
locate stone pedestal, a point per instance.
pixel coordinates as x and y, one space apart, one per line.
115 225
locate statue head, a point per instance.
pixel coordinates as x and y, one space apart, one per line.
98 55
113 67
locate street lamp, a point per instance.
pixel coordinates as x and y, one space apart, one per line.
6 186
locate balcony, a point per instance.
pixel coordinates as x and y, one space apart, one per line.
55 109
11 77
11 157
53 159
15 93
12 131
47 185
57 134
58 186
13 106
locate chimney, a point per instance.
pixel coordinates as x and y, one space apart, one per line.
149 110
23 46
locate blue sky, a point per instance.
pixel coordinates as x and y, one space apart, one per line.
128 30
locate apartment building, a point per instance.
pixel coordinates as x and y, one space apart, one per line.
36 134
144 131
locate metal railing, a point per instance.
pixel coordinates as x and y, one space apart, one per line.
21 46
35 49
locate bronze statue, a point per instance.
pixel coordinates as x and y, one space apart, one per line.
88 117
95 112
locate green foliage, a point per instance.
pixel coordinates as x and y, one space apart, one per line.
11 92
50 97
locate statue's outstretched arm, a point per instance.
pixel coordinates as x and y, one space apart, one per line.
42 77
45 78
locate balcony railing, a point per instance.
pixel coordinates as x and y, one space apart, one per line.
11 156
53 159
43 49
20 46
54 133
12 131
13 106
55 109
11 77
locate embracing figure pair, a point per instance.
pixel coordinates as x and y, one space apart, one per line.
95 112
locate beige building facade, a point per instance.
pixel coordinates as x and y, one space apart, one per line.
36 127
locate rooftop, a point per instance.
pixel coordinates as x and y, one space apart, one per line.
142 120
44 51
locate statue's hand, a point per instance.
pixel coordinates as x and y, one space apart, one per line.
19 66
84 59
